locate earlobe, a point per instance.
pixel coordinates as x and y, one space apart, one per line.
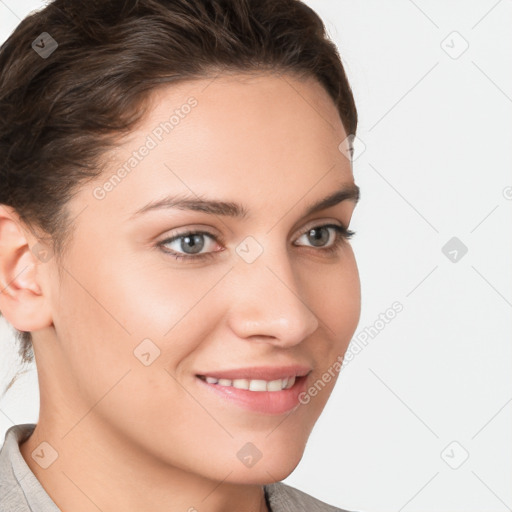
22 299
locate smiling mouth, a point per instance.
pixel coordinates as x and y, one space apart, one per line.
263 390
257 385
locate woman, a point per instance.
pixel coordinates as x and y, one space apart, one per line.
174 248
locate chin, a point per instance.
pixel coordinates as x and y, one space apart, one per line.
273 466
262 476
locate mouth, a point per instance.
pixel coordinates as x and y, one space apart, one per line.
257 385
261 390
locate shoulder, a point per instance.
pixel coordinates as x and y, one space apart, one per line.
11 494
20 491
284 498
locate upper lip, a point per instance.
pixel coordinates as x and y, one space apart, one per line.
259 372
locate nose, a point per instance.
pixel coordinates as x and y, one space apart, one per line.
267 303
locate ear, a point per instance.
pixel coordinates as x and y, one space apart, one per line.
22 273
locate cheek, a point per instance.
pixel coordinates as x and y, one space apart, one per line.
345 309
334 293
123 335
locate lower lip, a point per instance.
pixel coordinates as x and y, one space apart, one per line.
264 402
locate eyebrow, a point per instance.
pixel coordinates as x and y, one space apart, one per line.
349 192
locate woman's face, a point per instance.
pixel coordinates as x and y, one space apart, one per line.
266 297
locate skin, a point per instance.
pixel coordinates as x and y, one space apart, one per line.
133 437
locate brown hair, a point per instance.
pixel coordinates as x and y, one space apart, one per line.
60 112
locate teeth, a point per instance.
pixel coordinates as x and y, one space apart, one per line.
241 383
258 385
275 385
255 384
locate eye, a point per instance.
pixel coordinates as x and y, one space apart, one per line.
191 243
188 245
320 236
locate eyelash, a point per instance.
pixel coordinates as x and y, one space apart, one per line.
342 235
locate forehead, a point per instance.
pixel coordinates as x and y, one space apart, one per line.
264 136
235 112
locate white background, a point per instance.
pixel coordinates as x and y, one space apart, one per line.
436 129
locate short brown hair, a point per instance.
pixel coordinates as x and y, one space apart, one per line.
60 113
